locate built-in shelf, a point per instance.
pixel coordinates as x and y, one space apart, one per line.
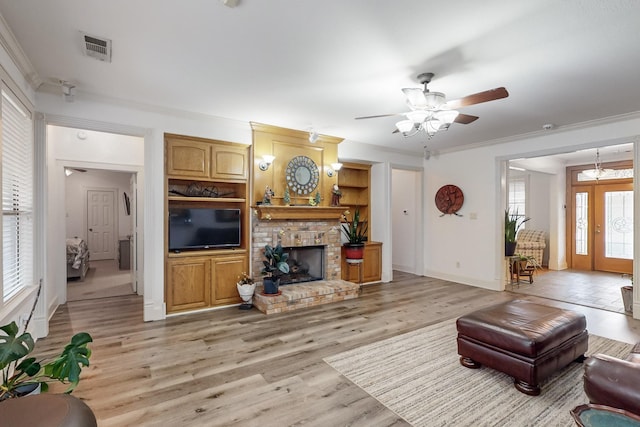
205 199
300 212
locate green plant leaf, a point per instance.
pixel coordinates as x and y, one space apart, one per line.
29 366
12 346
68 365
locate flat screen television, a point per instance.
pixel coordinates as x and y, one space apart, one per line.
203 228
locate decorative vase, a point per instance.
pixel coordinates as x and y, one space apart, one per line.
246 291
509 248
354 250
270 286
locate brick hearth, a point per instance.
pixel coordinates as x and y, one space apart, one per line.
294 297
305 227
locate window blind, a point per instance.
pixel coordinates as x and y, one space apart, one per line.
17 196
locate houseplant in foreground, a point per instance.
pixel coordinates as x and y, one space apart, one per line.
355 231
22 374
512 224
275 265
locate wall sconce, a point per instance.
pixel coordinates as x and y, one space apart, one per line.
313 136
335 167
266 162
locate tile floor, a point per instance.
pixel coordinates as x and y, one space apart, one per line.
595 289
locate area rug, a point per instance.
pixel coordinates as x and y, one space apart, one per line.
418 376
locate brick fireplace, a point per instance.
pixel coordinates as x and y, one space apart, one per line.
300 229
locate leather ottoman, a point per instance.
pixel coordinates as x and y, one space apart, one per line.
525 340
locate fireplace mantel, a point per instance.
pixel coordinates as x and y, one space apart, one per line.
303 213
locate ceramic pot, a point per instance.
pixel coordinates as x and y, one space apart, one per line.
509 248
270 286
354 250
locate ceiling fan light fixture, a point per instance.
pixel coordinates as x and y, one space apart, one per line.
446 116
432 126
434 100
405 126
418 116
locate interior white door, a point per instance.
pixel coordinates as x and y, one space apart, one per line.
101 224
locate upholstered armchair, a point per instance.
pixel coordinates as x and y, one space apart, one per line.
531 243
614 382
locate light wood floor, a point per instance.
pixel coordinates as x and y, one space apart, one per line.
231 367
103 279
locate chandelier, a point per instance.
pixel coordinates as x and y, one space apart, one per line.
427 115
597 172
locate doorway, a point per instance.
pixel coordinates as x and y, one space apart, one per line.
600 214
406 220
96 212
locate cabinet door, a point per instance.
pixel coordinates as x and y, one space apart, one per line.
188 159
226 270
188 282
229 162
371 265
372 262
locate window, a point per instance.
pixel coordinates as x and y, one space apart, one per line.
517 197
16 138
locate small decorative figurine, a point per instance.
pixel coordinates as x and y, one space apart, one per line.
335 195
287 197
268 194
317 199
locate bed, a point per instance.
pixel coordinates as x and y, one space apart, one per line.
77 258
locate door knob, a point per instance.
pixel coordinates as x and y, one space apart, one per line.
91 229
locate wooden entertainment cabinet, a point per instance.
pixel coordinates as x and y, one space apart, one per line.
202 173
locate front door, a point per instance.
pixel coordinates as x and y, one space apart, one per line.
613 227
601 230
101 224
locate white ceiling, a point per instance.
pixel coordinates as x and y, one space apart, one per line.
321 63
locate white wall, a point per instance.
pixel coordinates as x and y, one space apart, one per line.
477 244
77 185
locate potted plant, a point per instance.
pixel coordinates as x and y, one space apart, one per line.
275 265
355 231
512 224
22 375
246 287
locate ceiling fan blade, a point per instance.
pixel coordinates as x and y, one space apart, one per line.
465 119
378 116
478 98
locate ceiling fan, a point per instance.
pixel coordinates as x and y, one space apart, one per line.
431 112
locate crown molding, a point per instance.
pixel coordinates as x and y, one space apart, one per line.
17 55
539 133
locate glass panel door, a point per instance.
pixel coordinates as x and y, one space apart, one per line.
614 228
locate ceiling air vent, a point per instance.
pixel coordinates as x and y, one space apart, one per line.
96 47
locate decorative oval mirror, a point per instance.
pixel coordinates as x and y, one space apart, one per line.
302 175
